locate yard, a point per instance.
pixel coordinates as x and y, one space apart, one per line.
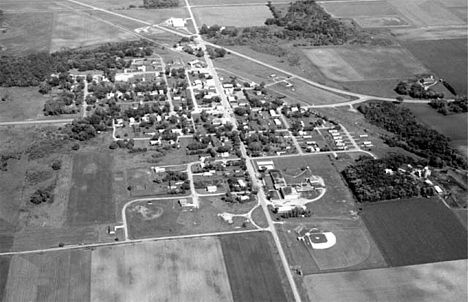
91 193
176 270
415 231
445 281
254 270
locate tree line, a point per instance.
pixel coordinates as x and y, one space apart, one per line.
459 105
412 135
160 3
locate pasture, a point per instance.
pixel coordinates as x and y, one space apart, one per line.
240 16
444 281
71 30
364 64
451 61
52 276
4 268
172 270
227 2
415 231
91 195
454 126
255 274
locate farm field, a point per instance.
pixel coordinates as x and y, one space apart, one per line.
71 30
4 268
361 64
451 61
254 275
453 126
176 270
415 231
91 194
48 276
227 2
444 281
155 16
240 16
354 249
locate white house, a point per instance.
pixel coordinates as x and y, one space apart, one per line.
211 189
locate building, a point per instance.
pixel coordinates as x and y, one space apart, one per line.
266 164
185 203
211 189
176 22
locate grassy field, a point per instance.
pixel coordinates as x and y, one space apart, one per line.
453 126
253 273
4 268
360 64
445 281
53 276
451 61
156 16
228 2
416 231
175 270
240 16
90 199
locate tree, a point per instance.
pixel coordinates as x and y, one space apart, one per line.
57 164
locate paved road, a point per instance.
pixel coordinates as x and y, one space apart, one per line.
62 121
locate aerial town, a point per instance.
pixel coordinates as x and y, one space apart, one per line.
233 150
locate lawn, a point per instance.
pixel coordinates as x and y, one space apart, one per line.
240 16
72 30
51 276
415 231
360 64
445 281
91 196
450 63
171 270
453 126
254 275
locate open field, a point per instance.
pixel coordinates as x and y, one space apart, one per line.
444 281
228 2
254 275
73 30
53 276
454 126
451 61
241 16
4 268
111 4
359 64
415 231
156 16
173 270
90 199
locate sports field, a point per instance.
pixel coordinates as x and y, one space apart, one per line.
90 200
174 270
254 275
446 58
444 281
53 276
363 64
240 16
415 231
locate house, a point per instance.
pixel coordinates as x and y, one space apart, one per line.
159 169
211 189
183 202
176 22
438 190
244 198
277 122
273 113
241 183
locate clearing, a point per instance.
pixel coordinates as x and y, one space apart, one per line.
415 231
444 281
90 199
364 64
254 273
175 270
240 16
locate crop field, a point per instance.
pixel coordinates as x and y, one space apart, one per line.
444 281
172 270
156 16
76 30
451 61
240 16
228 2
338 200
52 276
360 64
90 199
4 268
254 275
111 4
415 231
354 249
453 126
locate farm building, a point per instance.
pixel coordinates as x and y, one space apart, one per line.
176 22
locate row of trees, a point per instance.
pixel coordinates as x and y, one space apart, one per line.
160 3
459 105
369 182
416 90
411 135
